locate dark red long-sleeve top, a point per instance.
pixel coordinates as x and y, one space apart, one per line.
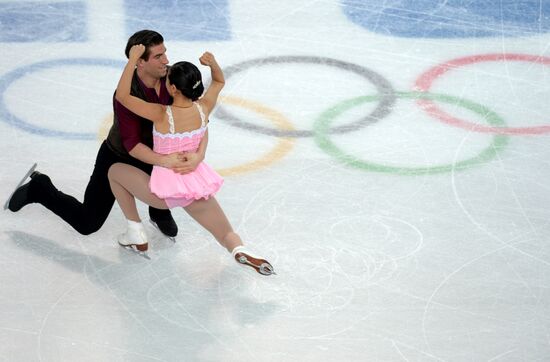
130 124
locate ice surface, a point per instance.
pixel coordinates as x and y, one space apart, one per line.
397 238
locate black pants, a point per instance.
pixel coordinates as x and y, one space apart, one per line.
88 216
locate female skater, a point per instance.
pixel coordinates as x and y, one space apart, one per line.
179 127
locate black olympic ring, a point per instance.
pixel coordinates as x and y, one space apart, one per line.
385 90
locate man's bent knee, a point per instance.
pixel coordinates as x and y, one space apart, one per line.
88 229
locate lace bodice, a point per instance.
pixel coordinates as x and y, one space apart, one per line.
165 143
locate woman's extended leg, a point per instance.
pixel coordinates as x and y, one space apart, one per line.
128 182
210 215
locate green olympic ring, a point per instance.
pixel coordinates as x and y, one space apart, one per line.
323 122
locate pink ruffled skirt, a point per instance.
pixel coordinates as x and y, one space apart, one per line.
181 190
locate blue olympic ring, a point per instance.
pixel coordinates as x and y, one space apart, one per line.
7 79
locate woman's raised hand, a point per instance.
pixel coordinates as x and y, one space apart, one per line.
207 59
136 52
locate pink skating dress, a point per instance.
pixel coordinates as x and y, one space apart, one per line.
176 189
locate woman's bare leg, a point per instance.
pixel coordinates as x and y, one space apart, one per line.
210 215
128 182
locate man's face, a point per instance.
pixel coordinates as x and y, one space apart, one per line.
155 66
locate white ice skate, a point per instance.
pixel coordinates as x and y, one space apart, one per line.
135 240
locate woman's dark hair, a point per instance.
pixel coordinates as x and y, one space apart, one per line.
148 38
187 78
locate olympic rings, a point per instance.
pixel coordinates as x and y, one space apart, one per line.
425 81
7 79
322 125
283 129
283 146
387 98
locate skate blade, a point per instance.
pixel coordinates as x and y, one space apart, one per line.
266 269
263 268
143 254
171 238
31 170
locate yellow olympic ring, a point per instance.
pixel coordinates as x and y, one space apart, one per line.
105 127
283 146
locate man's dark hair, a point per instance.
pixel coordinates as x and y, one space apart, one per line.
148 38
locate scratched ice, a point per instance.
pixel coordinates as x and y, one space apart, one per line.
389 158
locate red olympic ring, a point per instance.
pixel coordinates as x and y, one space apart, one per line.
426 79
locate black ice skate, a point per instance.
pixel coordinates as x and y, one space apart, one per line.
164 222
18 197
171 238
